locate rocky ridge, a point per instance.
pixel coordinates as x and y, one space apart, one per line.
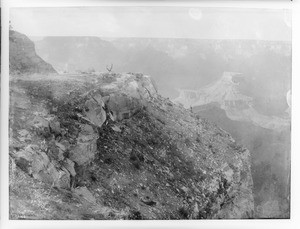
23 58
108 146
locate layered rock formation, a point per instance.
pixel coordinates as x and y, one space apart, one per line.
109 146
226 94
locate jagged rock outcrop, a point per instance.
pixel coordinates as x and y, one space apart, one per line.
23 58
115 145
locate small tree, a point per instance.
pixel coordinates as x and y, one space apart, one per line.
109 69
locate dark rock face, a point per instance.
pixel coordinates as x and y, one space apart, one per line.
123 152
23 58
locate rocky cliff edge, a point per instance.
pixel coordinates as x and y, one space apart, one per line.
109 146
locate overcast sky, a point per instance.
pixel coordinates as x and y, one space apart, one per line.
170 22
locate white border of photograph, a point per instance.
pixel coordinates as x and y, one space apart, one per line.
295 195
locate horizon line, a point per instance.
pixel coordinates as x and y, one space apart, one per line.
133 37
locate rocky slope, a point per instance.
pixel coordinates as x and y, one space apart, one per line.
23 58
109 146
270 161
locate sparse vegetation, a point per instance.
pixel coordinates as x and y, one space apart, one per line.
149 162
183 212
109 68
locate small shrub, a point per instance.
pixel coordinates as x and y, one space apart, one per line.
136 159
108 161
141 157
188 142
135 215
183 212
136 164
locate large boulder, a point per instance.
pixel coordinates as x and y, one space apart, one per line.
37 164
94 112
128 94
123 106
85 193
86 147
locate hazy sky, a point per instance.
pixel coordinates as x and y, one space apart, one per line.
172 22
